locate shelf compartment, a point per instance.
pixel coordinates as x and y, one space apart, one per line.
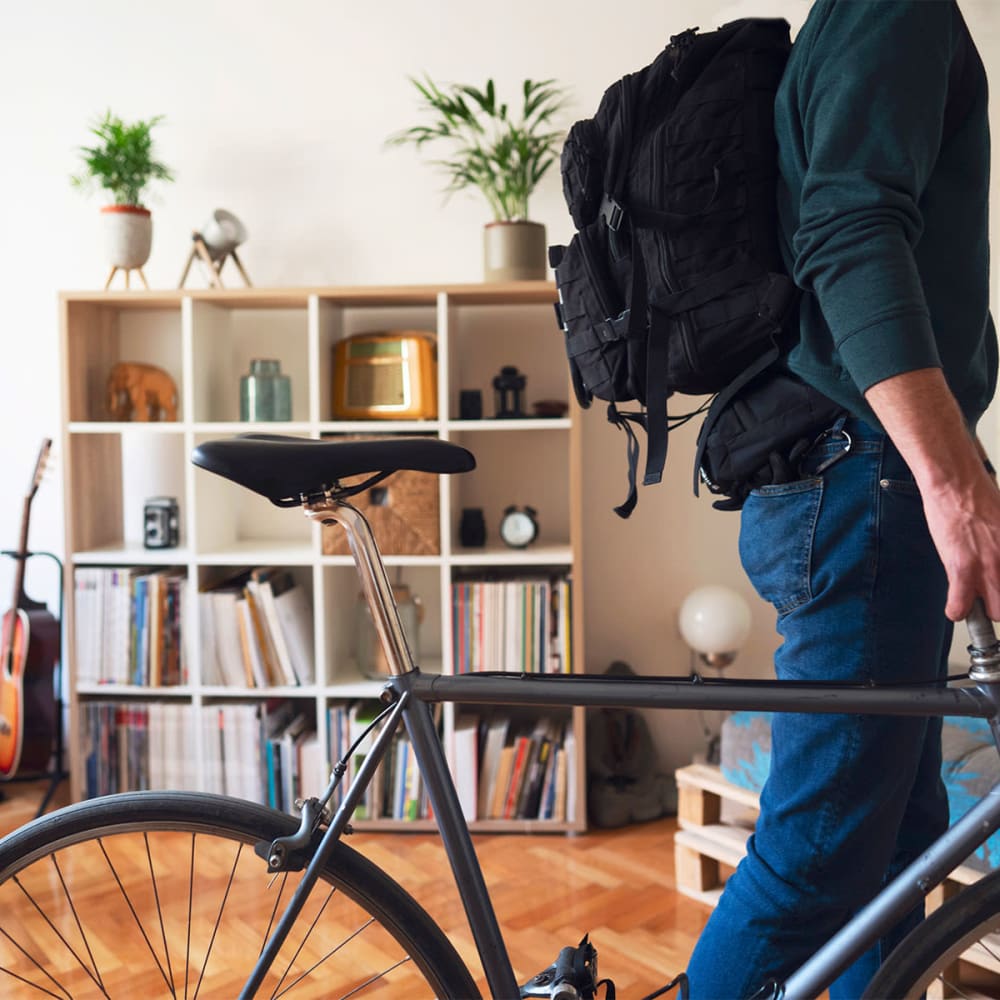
481 342
115 475
345 614
508 472
256 630
225 340
336 321
241 526
98 335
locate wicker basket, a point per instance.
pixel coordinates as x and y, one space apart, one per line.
404 513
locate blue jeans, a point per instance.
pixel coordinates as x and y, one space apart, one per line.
845 557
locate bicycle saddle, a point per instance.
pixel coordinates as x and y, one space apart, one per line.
286 469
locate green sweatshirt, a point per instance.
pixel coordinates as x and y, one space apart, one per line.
883 200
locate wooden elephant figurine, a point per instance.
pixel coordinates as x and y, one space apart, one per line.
141 392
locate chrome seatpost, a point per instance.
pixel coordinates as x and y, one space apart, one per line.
374 579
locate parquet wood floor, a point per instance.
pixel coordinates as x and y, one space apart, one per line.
618 886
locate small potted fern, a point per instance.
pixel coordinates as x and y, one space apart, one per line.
502 157
122 162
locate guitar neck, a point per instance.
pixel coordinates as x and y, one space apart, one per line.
21 556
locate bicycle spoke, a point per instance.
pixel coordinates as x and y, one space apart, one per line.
34 986
376 978
302 944
274 912
132 910
55 930
159 913
76 918
187 951
218 918
35 963
954 990
333 951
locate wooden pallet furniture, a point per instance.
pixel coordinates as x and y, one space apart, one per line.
714 819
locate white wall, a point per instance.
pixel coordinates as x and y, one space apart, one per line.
279 112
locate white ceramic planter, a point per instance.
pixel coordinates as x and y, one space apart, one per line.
128 235
514 251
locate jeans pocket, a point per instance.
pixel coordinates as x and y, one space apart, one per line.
776 541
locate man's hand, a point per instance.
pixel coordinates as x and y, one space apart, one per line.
961 500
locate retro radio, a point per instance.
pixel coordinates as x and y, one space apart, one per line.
390 375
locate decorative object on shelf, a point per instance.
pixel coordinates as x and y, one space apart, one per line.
161 523
519 526
550 409
472 528
141 392
122 162
387 375
214 244
508 386
404 514
505 159
265 393
470 404
369 651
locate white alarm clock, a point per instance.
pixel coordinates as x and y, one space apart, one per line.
519 526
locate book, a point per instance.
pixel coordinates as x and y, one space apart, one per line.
465 763
295 618
493 743
270 583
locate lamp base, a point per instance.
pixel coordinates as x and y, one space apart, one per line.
200 250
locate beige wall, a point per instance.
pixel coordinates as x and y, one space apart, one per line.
279 112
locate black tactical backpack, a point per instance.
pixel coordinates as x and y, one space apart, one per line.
673 282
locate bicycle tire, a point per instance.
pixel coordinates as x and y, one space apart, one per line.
928 958
186 904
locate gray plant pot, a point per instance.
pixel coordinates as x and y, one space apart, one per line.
514 251
128 235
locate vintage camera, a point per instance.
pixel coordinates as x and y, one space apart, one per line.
160 523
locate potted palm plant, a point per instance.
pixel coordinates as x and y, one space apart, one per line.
502 156
122 162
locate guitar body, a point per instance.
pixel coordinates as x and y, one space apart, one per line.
27 696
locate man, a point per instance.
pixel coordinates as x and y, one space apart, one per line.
884 157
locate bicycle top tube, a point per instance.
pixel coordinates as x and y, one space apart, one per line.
698 693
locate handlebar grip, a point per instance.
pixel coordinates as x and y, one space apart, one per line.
981 632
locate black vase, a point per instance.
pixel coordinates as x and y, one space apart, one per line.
472 528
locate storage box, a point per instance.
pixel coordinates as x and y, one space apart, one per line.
404 514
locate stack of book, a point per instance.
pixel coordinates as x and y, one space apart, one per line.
397 790
518 625
265 753
130 626
257 631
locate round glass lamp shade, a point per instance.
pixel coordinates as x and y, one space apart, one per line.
715 621
223 233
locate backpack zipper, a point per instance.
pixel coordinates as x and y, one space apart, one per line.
591 269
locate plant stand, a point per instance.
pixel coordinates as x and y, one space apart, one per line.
57 771
127 271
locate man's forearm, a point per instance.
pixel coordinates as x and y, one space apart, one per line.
961 501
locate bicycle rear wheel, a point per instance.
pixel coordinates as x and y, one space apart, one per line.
161 895
955 952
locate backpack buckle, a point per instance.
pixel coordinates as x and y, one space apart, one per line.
612 213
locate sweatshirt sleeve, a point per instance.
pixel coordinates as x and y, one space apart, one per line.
872 94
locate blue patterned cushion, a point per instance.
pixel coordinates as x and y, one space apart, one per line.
971 766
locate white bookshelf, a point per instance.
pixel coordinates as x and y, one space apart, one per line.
205 340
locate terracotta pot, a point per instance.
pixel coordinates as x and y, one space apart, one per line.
514 251
128 235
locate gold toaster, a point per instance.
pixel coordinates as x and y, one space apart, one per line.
389 375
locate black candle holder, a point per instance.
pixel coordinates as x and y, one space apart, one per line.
507 387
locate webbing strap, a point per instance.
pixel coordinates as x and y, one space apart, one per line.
657 393
623 421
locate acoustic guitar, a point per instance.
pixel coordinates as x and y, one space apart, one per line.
29 653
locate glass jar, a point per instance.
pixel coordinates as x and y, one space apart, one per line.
265 394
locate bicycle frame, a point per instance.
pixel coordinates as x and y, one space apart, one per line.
410 693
